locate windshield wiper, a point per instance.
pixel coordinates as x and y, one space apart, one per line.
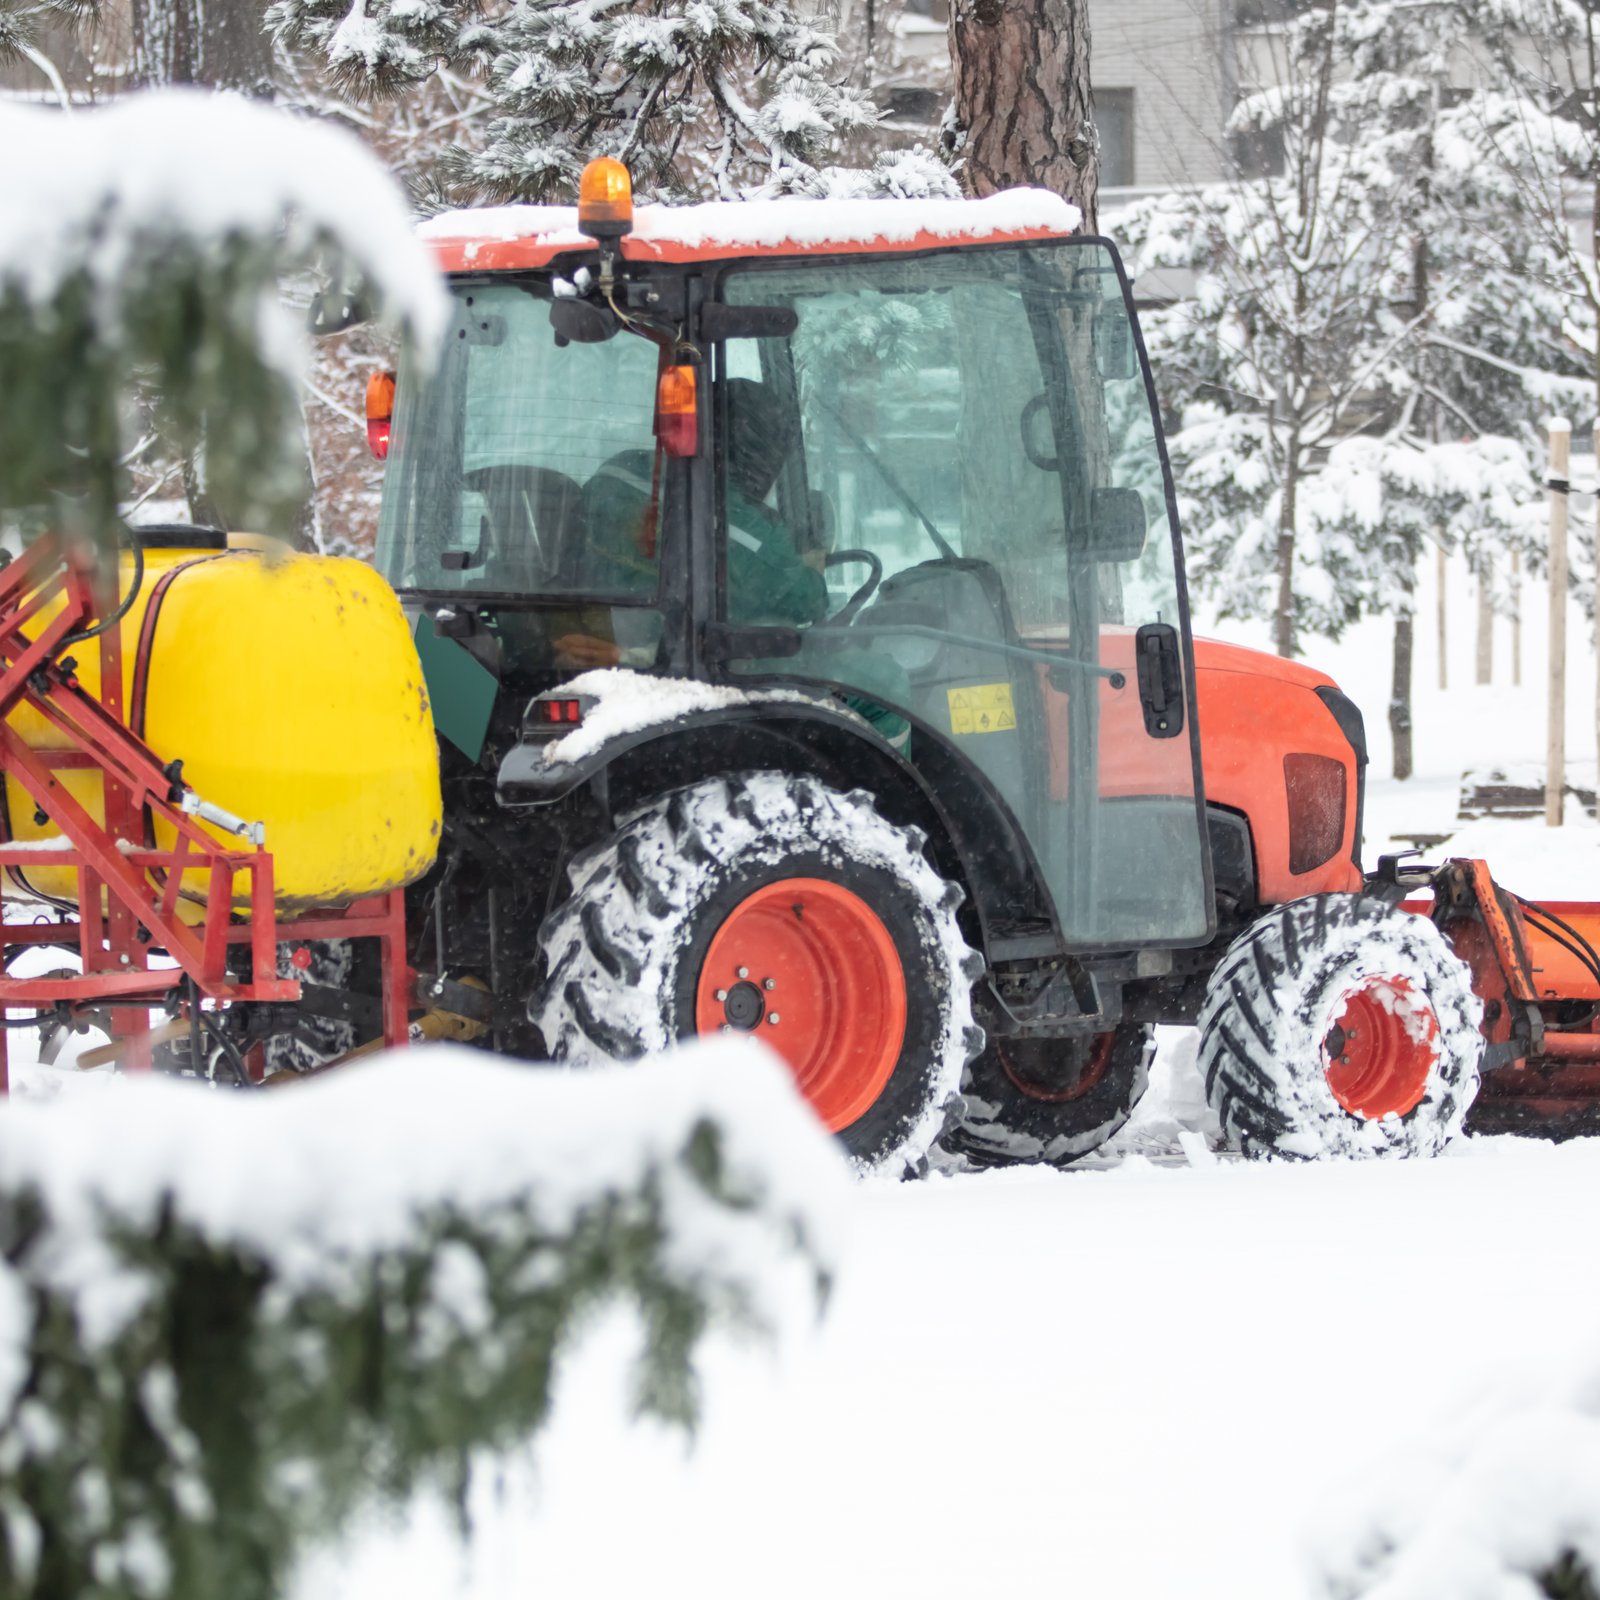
896 488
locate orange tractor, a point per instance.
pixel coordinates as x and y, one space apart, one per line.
802 605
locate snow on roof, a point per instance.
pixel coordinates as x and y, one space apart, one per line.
530 236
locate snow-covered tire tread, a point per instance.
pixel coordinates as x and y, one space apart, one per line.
613 948
1268 1003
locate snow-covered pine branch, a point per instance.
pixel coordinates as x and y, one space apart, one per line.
700 99
227 1323
142 248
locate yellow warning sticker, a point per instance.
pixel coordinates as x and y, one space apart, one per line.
983 708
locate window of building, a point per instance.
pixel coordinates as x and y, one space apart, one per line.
1257 152
1266 13
912 104
1113 117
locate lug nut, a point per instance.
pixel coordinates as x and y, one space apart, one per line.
744 972
769 983
772 1017
722 994
727 1027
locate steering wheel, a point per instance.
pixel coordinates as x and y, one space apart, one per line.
843 558
535 514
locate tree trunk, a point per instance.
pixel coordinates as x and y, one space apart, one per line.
1442 568
1400 696
1022 97
1284 618
217 43
1516 620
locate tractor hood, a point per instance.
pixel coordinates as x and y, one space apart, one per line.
1213 655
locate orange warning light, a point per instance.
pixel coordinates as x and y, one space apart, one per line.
380 412
605 199
677 411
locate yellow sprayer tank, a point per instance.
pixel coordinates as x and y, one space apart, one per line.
290 688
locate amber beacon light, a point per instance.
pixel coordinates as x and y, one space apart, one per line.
605 199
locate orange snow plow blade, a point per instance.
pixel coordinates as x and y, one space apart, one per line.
1535 967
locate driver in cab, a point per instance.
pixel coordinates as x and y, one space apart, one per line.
770 581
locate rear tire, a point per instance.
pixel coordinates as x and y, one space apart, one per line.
1050 1100
773 906
1340 1026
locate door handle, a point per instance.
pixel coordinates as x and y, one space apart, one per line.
1160 666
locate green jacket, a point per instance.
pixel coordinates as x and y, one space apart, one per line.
768 582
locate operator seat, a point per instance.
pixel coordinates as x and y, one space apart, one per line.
984 702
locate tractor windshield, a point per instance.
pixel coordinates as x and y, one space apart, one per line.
504 460
961 447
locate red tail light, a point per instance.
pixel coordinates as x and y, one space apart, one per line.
566 713
380 412
677 413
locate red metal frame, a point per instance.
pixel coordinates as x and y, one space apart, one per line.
129 893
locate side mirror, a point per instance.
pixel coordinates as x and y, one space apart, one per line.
721 321
1117 525
334 310
581 321
1114 353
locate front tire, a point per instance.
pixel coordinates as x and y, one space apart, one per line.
775 907
1338 1025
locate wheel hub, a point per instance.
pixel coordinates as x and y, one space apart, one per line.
1380 1046
745 1006
807 966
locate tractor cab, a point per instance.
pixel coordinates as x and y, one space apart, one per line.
901 457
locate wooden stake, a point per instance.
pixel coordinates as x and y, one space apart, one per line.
1485 625
1560 431
1516 619
1439 571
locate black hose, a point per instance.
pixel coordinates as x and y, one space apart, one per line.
1583 958
1570 940
37 1020
127 600
1574 942
235 1061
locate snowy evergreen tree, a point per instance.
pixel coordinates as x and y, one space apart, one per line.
24 25
1493 351
1542 122
697 99
1379 289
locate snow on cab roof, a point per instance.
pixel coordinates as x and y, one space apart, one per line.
496 237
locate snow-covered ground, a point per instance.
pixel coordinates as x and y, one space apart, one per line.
1163 1374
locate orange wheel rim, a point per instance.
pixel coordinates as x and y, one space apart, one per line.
1096 1061
1381 1045
809 968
